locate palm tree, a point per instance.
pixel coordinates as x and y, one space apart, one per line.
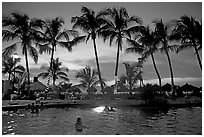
133 74
22 81
90 22
145 44
10 66
189 32
162 35
54 36
58 71
20 27
118 25
88 77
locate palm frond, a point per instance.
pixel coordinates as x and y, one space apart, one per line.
8 51
9 35
64 78
77 40
87 37
19 68
61 73
64 69
134 47
44 48
33 53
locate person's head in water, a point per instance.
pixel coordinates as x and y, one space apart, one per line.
79 120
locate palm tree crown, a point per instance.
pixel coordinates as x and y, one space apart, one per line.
133 74
55 35
118 25
88 77
58 71
11 66
189 32
20 27
146 44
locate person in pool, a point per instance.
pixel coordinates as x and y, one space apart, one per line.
111 109
106 108
79 125
32 108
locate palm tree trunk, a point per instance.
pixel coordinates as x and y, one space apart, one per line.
97 63
51 59
117 60
130 83
27 68
171 71
54 79
116 69
157 72
199 60
9 76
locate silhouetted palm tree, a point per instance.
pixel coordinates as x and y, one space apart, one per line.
145 44
10 66
22 81
90 22
20 27
133 74
118 25
58 71
54 36
162 35
88 77
189 32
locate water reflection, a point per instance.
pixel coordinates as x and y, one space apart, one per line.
99 109
123 121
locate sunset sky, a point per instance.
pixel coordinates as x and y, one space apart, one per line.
185 64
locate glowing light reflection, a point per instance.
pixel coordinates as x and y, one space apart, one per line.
99 109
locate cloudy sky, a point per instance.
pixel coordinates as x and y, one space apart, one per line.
185 64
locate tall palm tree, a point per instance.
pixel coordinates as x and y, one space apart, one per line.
20 27
90 22
189 32
162 35
58 71
54 35
145 44
119 25
10 66
133 74
88 77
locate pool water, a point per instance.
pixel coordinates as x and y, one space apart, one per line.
124 121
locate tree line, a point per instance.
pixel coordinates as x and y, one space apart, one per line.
37 36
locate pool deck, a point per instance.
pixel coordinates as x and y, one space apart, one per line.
21 104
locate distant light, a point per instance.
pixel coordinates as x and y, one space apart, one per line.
15 56
99 109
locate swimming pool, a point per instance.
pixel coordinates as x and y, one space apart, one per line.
124 121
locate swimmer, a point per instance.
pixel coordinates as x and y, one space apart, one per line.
111 109
79 125
36 110
41 106
32 108
106 108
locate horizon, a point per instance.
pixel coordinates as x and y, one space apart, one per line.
185 64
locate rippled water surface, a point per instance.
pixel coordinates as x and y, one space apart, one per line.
56 121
